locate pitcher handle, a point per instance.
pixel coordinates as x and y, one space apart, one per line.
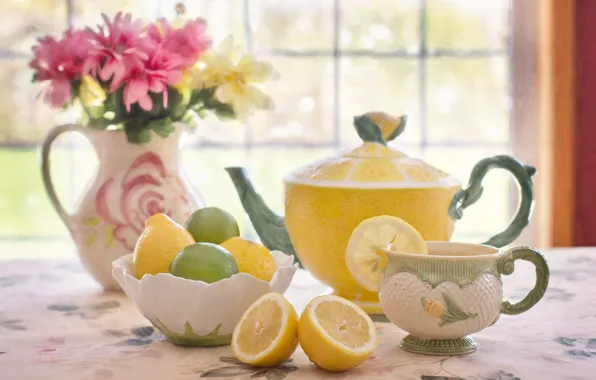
468 196
506 266
45 168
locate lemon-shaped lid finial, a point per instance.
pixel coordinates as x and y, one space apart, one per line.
373 164
379 127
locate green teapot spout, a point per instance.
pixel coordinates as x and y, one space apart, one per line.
270 227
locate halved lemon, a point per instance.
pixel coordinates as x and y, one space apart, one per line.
267 332
365 259
336 334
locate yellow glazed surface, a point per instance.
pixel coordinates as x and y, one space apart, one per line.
321 220
326 200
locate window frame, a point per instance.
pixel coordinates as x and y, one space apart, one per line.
522 58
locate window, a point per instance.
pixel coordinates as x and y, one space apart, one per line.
447 64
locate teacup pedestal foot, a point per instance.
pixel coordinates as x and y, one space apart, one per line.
438 347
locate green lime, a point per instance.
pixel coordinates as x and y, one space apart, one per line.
204 262
212 225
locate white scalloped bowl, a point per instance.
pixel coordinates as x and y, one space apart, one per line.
194 313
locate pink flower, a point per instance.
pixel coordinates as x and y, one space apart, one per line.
59 62
119 47
188 42
154 75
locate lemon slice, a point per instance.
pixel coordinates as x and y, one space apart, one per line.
365 260
267 332
336 334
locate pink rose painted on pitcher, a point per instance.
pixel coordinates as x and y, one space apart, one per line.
147 188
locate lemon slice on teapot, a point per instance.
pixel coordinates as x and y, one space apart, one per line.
365 259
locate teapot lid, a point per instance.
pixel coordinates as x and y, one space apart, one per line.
373 164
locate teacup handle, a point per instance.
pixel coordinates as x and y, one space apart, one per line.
468 196
506 266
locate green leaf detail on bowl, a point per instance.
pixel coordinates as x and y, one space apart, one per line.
189 338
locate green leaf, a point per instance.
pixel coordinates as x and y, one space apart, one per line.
163 127
136 132
100 123
190 118
158 108
115 104
144 136
453 313
368 130
95 112
222 110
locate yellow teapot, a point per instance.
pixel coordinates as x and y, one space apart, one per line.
326 200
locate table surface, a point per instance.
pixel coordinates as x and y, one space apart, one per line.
55 323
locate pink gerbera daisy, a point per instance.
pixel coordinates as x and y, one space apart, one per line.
153 75
188 42
59 62
119 46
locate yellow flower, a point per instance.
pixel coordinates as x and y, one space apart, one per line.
91 93
183 86
433 307
233 73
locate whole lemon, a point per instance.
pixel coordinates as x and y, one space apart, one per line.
212 225
158 245
252 258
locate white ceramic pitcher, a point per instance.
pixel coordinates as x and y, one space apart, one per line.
133 182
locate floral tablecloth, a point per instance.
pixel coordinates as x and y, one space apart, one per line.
55 323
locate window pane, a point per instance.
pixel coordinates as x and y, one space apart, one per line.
25 118
292 25
468 99
270 166
468 24
87 13
211 129
370 84
204 167
491 214
24 206
303 97
23 21
223 17
380 25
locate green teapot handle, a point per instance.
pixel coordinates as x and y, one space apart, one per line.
506 266
468 196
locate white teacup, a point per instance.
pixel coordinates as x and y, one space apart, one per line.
453 291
